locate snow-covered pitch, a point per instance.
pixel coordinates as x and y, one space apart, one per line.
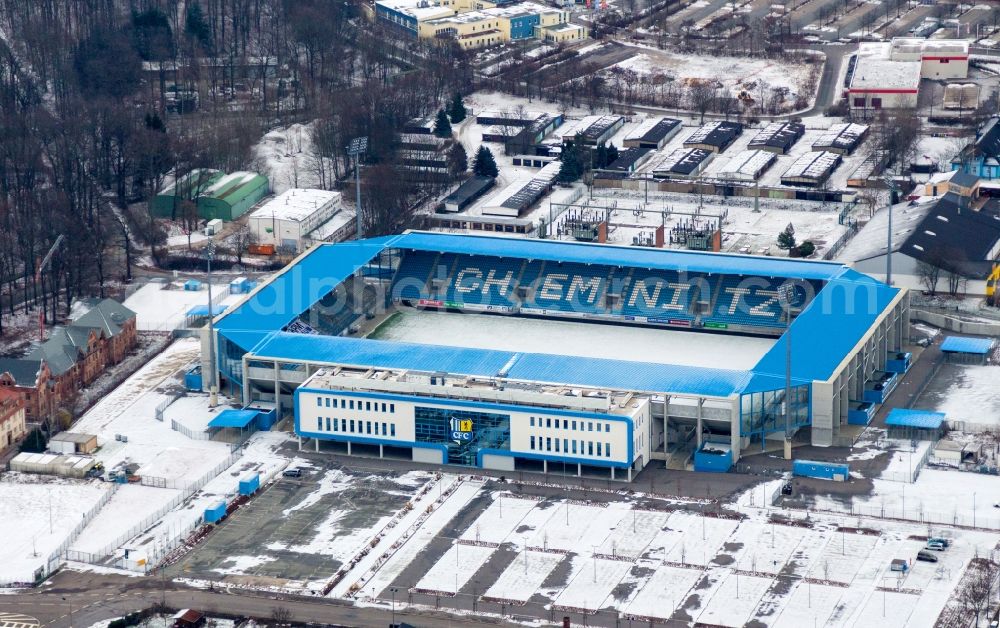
662 346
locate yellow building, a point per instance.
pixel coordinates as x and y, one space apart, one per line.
474 27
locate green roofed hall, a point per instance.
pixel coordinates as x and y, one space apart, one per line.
230 196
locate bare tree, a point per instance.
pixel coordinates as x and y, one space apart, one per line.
241 240
929 275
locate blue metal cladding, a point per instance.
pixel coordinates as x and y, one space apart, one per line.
713 462
965 344
523 27
923 419
821 470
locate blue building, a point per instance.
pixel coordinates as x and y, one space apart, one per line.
982 157
481 402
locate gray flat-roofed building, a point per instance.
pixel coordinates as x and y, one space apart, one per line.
467 193
778 137
715 136
653 133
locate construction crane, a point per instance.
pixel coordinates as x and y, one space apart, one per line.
38 281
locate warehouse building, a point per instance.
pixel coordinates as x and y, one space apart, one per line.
812 168
287 219
887 75
653 133
467 193
842 139
232 195
778 137
169 202
748 164
629 159
714 136
687 162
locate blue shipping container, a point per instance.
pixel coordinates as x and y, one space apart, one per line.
713 459
215 513
821 470
192 379
249 485
192 285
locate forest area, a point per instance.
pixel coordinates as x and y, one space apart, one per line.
92 129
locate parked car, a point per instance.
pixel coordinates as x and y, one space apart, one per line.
898 564
937 546
941 540
926 556
292 473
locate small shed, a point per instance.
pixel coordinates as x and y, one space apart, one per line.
187 618
967 350
192 285
239 422
955 453
915 424
713 458
198 314
240 285
72 443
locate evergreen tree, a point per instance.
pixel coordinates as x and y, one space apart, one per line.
612 155
571 167
442 127
484 165
457 110
458 161
197 27
786 239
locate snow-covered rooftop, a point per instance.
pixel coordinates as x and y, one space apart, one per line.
297 204
814 164
875 69
748 163
872 240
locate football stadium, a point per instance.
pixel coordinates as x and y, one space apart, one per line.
516 354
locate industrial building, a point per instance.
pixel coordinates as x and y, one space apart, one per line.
777 137
232 195
478 402
687 162
467 193
812 168
841 138
748 164
169 202
887 75
714 136
653 133
287 219
629 159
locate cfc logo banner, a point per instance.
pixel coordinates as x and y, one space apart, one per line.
461 430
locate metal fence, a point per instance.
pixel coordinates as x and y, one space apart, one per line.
192 434
165 544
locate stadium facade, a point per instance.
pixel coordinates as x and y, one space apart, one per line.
295 342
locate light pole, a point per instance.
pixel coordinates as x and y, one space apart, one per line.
358 147
393 591
213 377
70 602
888 251
786 292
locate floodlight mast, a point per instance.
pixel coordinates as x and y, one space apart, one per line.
358 147
786 293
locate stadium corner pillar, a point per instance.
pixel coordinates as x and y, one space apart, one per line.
788 449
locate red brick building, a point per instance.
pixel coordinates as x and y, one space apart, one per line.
74 356
12 417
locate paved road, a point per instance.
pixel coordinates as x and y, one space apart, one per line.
92 598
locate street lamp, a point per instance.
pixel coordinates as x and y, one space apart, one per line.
393 591
70 602
786 292
888 251
213 378
358 147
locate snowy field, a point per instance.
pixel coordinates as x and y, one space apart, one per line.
661 346
735 73
969 394
129 506
163 307
39 515
287 157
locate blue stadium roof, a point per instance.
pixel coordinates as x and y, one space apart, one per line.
233 418
965 344
822 335
301 284
640 257
829 328
923 419
539 367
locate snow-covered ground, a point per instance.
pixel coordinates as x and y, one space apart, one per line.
973 396
524 576
482 331
131 505
450 573
40 515
286 154
163 307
